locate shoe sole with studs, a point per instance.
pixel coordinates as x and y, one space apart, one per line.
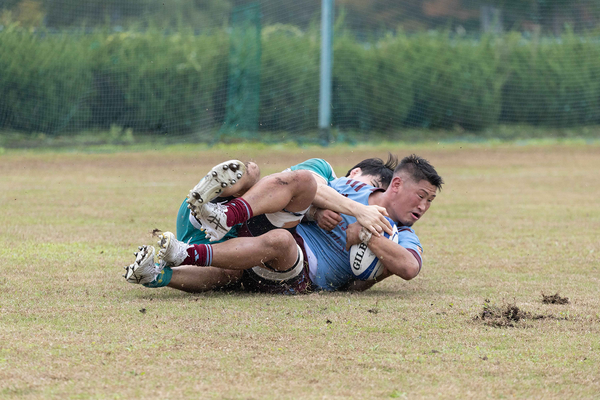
220 177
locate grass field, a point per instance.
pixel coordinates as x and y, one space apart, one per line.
513 223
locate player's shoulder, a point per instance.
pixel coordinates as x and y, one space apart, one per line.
345 184
407 231
408 238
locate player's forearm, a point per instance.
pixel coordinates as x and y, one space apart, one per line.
371 217
396 259
328 198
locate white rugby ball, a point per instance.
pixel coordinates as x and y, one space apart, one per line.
364 263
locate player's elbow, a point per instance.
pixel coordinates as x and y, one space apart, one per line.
410 274
408 271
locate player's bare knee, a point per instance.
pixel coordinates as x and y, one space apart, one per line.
278 242
284 247
300 178
304 191
277 239
409 273
305 179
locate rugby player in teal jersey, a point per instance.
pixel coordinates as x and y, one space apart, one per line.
371 171
413 188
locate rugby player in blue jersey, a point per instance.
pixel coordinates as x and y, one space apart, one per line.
294 190
413 187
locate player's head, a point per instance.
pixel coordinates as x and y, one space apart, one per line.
414 186
417 168
374 171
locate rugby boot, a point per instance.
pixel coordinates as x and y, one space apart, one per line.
220 177
172 252
214 221
145 268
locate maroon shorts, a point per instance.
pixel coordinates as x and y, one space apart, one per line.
300 284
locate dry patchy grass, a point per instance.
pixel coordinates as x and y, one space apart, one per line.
511 225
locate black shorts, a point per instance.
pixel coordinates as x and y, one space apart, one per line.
257 226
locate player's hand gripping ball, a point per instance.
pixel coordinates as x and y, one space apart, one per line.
364 263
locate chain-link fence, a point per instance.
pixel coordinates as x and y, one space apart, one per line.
215 68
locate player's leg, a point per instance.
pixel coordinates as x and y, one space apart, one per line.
291 191
276 248
231 178
189 231
152 273
190 278
275 263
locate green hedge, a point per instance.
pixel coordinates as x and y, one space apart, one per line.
289 93
372 86
552 83
155 82
43 83
177 83
455 82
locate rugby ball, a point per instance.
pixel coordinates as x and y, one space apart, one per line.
364 263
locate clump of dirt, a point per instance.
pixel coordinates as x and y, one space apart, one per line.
156 232
506 316
509 315
554 299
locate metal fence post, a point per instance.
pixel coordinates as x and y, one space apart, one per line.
326 71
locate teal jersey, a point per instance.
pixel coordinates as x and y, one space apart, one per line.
318 166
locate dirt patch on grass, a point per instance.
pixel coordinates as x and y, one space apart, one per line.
554 299
508 316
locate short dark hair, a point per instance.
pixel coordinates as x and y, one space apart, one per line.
376 167
419 168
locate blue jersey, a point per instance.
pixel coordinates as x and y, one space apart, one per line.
333 267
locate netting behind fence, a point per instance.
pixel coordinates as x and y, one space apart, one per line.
217 69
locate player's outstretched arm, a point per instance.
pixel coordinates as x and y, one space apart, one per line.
396 259
371 217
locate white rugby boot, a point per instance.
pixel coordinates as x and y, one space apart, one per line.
172 252
220 177
145 268
214 221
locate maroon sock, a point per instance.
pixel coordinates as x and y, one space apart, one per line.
238 211
199 254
